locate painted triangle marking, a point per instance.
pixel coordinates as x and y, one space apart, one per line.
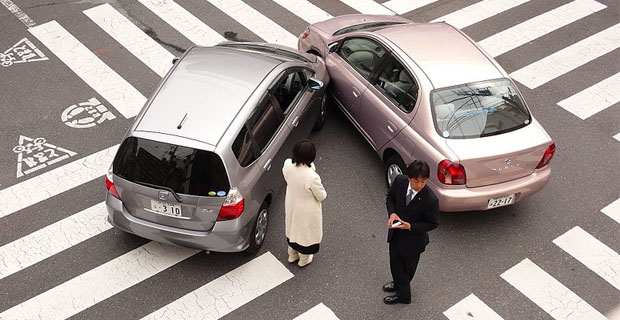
22 52
36 154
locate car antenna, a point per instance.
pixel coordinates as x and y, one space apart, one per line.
182 121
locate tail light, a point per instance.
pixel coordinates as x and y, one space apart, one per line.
109 184
305 34
547 156
452 173
232 207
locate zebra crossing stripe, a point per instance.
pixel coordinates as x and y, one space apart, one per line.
256 22
305 10
538 26
592 253
131 37
44 243
228 292
548 293
613 209
320 311
617 137
594 99
55 182
569 58
100 283
112 87
184 22
479 11
367 7
404 6
471 308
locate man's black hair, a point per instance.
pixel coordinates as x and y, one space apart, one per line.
418 169
304 152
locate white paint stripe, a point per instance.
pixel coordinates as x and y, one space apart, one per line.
112 87
592 253
228 292
132 38
56 181
305 10
22 16
613 209
52 239
184 22
617 137
404 6
471 308
548 293
320 311
569 58
538 26
256 22
100 283
367 7
594 99
479 11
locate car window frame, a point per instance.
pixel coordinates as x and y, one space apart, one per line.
364 37
375 77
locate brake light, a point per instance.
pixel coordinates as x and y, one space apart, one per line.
305 34
547 156
232 207
109 184
452 173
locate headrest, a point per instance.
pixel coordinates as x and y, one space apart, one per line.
404 77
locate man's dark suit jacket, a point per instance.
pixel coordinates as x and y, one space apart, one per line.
422 213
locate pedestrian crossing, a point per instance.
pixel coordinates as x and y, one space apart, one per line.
249 281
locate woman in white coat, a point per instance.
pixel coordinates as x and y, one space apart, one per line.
304 194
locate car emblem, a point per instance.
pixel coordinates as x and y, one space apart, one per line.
507 161
163 195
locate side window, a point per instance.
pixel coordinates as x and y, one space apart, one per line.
397 84
363 54
288 89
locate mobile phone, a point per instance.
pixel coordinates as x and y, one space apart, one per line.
396 224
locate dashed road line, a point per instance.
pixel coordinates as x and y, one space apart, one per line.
613 209
306 10
471 308
594 99
404 6
21 15
367 7
479 11
320 311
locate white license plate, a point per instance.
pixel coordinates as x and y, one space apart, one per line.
166 208
501 201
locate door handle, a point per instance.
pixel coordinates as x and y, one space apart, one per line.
267 165
390 128
356 93
295 122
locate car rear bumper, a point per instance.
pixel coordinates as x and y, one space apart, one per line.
477 199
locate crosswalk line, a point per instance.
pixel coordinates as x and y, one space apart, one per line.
228 292
548 293
404 6
131 37
52 239
55 182
592 253
569 58
594 99
184 22
100 283
479 11
306 10
256 22
613 209
111 86
617 137
471 308
367 7
538 26
320 311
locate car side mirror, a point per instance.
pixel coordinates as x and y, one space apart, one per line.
315 84
175 59
333 47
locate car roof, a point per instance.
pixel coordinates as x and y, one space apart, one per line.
446 56
205 92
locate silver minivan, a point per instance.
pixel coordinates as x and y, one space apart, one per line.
195 167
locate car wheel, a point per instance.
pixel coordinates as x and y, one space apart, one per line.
322 118
393 167
259 230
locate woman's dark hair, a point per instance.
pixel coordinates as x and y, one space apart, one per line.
304 152
418 169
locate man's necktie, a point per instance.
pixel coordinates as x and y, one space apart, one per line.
409 197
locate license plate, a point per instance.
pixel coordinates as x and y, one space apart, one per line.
166 208
501 201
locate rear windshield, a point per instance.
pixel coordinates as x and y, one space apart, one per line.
478 110
363 26
184 170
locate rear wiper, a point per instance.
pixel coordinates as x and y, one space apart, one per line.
176 196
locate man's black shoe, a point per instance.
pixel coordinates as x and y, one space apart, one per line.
394 300
389 287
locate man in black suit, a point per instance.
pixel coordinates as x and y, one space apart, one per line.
413 210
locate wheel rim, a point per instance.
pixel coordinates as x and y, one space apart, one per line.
261 227
392 172
323 108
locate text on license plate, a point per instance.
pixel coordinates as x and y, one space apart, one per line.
501 201
166 208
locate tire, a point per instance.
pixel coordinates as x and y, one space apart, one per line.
322 118
259 230
393 167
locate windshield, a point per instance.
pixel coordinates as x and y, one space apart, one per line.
478 110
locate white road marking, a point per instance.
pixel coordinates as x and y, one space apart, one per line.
44 243
594 99
184 22
592 253
56 181
86 114
548 293
471 308
538 26
479 11
132 38
228 292
23 17
36 154
304 9
256 22
100 283
617 137
613 209
569 58
320 311
23 51
112 87
368 7
404 6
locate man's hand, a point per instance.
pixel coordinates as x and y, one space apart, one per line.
393 217
405 225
